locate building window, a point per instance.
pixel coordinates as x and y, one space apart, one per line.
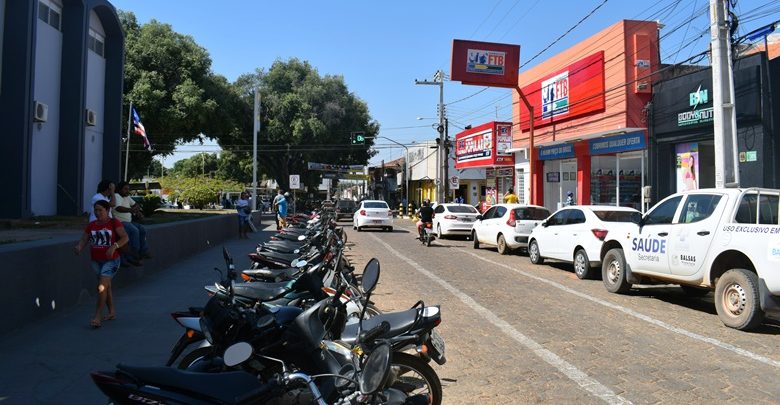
96 43
50 13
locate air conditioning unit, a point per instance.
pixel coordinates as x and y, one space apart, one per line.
41 112
91 117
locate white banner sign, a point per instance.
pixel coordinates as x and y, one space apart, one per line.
295 182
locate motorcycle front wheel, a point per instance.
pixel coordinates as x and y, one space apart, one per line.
414 376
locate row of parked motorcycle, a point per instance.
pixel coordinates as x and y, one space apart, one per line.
298 327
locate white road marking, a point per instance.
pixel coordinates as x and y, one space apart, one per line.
715 342
585 382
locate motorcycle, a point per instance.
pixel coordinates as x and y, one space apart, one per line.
426 234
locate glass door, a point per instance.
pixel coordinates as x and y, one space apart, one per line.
630 169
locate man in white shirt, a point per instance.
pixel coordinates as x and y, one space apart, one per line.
123 211
105 192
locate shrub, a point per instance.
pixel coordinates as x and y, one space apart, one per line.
150 203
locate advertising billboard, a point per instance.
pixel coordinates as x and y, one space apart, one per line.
484 146
485 63
573 91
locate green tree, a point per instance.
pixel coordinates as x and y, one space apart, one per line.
306 117
201 164
168 79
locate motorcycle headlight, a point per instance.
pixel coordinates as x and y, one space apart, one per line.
375 370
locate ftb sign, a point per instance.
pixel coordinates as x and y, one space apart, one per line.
488 62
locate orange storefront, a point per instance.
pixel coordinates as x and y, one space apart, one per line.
589 120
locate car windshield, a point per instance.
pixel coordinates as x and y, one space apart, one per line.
619 216
377 204
462 209
531 213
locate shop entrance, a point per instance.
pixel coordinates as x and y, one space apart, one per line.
617 179
560 178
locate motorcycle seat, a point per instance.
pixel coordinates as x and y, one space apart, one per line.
273 274
400 322
261 291
225 387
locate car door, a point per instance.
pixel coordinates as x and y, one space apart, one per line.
438 215
493 225
547 235
569 234
649 248
480 227
692 235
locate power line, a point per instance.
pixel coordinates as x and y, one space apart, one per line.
486 18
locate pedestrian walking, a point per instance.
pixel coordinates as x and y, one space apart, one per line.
244 215
279 197
106 236
282 207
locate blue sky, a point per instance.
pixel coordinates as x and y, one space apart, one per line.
380 48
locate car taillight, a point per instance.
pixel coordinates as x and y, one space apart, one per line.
512 221
363 212
450 217
599 233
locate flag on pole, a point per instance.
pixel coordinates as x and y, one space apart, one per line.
138 129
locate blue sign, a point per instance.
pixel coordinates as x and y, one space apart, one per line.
562 151
619 143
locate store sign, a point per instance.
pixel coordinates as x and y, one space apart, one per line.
480 146
562 151
696 115
330 167
573 91
485 63
553 177
619 143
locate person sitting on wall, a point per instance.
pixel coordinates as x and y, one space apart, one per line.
124 210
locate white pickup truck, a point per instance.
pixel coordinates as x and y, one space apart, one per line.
722 239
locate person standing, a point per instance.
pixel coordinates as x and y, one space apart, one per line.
105 236
278 198
244 215
282 208
124 210
570 199
105 192
510 197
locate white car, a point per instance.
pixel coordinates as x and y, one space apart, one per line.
453 219
507 226
373 214
576 234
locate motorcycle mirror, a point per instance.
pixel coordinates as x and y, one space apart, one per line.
301 264
237 354
376 369
370 275
296 251
302 237
226 255
294 262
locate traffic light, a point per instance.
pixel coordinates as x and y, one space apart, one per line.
358 138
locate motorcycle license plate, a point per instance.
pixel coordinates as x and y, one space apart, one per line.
438 346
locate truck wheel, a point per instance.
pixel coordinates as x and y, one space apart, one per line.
613 272
692 291
581 264
503 249
737 300
533 253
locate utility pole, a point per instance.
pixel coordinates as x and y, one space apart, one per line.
445 143
256 129
438 80
724 116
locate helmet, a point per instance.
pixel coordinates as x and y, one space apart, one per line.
569 194
286 194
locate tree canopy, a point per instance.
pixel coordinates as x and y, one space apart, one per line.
305 116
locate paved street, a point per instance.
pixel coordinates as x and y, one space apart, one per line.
515 332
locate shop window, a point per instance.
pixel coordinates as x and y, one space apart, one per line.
96 42
664 213
698 207
603 181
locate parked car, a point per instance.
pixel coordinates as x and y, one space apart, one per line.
507 226
576 234
345 209
373 214
453 219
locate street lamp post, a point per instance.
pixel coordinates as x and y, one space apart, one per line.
438 80
406 163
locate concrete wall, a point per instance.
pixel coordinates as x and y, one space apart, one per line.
44 277
45 135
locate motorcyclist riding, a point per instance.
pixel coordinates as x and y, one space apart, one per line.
426 216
